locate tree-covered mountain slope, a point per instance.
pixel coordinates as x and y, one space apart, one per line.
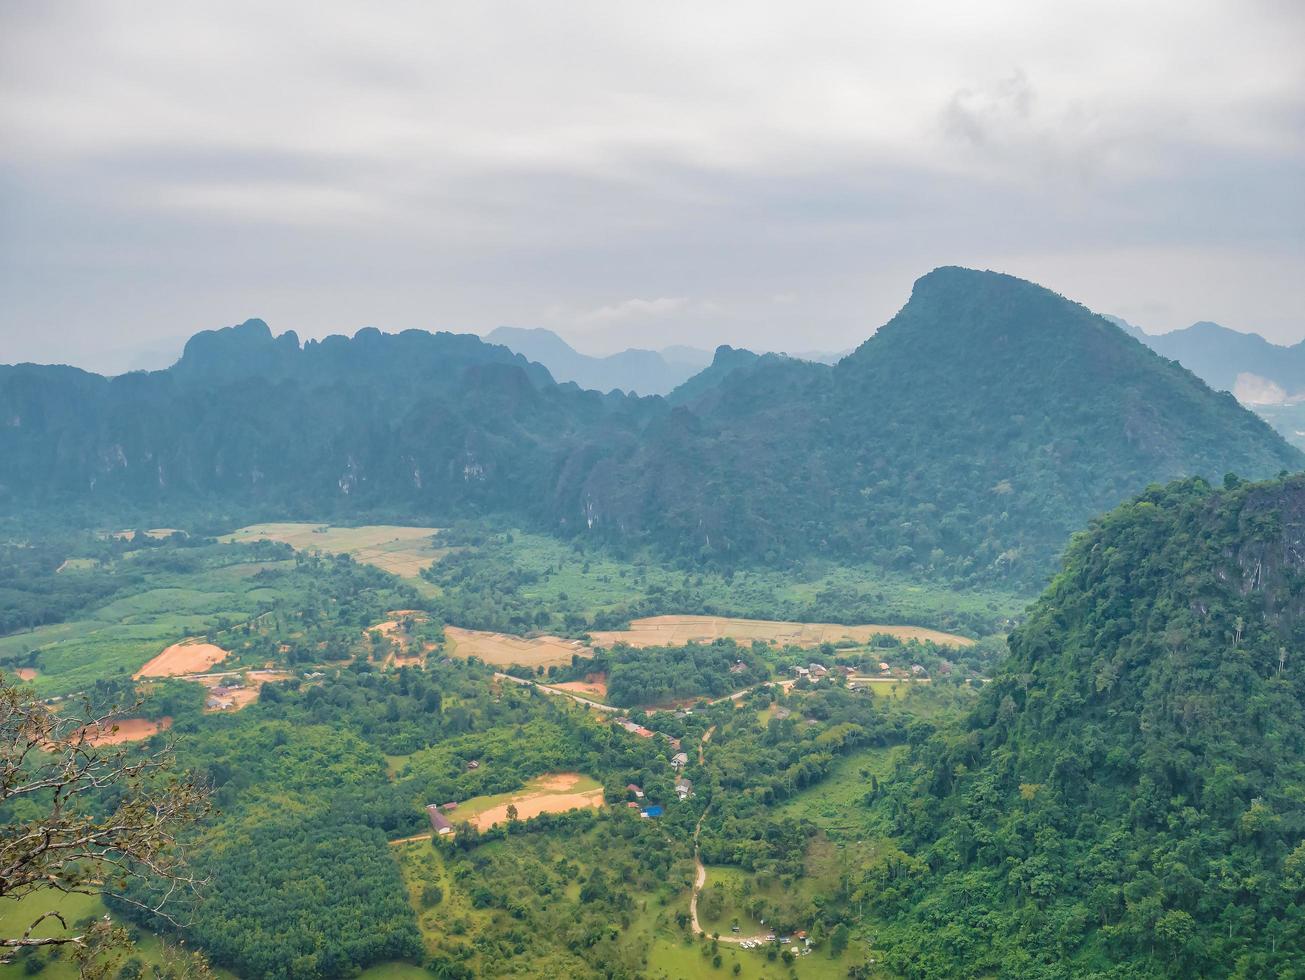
966 439
1128 799
970 436
409 424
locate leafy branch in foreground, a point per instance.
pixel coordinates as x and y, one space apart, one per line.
77 817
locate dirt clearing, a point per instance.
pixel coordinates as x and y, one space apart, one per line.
187 657
127 730
401 551
679 630
594 686
553 793
502 650
27 673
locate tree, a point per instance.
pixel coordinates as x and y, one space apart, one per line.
85 819
512 812
838 940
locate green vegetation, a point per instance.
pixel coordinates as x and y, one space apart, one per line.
1125 798
512 582
964 441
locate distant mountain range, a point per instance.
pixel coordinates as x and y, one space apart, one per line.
967 438
1252 368
644 372
1268 378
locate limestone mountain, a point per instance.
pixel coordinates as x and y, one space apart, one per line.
967 438
971 435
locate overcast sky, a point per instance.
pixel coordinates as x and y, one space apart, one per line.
771 175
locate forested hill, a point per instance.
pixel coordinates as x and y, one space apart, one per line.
1128 799
970 435
966 439
406 424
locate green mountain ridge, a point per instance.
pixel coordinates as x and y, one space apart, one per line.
1128 799
967 438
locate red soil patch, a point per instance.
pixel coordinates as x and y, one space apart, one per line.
594 686
27 673
187 657
126 730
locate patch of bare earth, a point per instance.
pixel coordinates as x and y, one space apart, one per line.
27 673
593 686
187 657
235 691
679 630
502 649
126 730
549 796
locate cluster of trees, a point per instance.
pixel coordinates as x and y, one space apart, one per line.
656 675
557 902
1125 798
300 881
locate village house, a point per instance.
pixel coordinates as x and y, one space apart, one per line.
216 703
680 760
473 765
738 667
438 822
884 668
632 805
944 667
780 712
816 670
683 788
638 793
917 670
802 671
447 807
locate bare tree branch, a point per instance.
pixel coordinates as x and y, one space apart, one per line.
79 814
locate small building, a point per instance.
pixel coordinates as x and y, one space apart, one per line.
473 765
944 667
219 704
638 793
643 732
632 805
438 822
680 760
917 669
447 807
816 670
884 668
780 712
652 811
683 788
802 671
738 667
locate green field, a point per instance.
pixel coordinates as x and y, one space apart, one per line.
120 636
16 916
562 585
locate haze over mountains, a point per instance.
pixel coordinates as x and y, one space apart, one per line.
968 437
1257 371
644 372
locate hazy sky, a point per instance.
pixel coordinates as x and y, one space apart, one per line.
774 175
